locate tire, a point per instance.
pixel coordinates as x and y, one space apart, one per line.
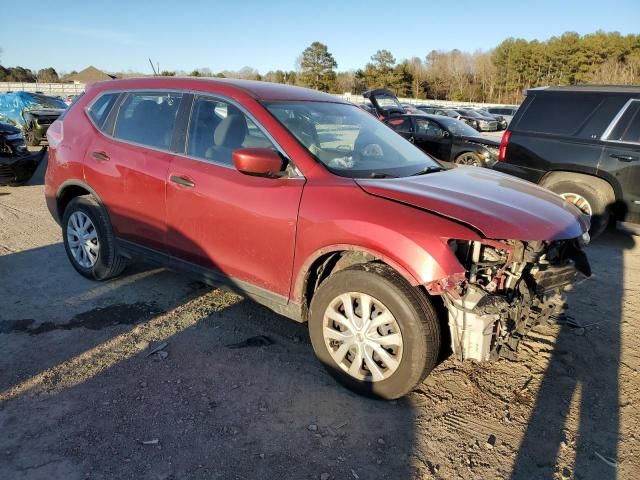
595 198
469 158
108 263
415 318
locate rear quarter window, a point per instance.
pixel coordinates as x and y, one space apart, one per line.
99 110
558 114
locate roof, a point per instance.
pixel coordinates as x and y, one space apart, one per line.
634 89
259 90
89 75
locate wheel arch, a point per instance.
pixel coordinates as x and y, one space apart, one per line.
328 260
605 186
70 189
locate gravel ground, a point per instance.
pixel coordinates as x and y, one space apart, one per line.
82 396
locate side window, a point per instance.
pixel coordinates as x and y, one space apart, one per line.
400 124
428 128
148 118
100 108
627 129
558 114
217 128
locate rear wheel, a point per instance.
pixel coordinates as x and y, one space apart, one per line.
589 199
469 158
375 333
89 241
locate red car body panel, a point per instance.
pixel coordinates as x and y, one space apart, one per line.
268 232
485 200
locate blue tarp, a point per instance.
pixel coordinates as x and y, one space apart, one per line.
13 104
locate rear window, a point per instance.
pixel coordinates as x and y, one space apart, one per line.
100 108
558 114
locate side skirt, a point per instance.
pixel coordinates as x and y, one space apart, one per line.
277 303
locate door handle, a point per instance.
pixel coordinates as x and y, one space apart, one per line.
100 156
624 158
185 182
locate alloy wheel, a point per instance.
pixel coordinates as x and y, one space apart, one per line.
579 201
468 159
362 336
82 238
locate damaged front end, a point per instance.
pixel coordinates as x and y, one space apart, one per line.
509 287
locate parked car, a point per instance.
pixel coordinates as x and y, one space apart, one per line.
482 123
445 138
584 144
316 209
16 163
506 112
31 112
502 122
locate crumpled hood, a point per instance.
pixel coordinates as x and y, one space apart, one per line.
45 112
497 205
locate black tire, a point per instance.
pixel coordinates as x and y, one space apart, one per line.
469 158
596 199
416 318
109 263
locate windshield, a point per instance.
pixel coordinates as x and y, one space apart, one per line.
349 141
458 128
35 100
470 113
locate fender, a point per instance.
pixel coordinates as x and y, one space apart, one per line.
53 204
430 269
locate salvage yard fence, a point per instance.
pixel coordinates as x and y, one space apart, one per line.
66 89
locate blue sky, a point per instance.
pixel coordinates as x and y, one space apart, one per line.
227 35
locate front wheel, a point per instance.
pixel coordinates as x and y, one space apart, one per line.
470 159
374 332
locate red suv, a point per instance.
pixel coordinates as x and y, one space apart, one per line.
313 207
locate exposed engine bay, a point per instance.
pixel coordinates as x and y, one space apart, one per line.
509 287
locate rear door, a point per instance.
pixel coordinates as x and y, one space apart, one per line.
127 165
234 225
621 155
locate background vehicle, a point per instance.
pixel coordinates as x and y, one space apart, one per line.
16 163
31 112
482 123
316 209
502 122
446 139
506 112
582 143
441 136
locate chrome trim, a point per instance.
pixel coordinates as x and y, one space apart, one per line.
614 122
217 96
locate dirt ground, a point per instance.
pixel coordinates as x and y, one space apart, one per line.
83 397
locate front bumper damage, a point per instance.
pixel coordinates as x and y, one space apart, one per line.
509 287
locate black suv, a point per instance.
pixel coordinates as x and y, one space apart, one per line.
583 143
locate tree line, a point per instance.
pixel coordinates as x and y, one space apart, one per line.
498 75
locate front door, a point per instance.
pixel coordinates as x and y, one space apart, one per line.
241 226
621 157
432 138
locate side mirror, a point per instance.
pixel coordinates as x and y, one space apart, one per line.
261 162
445 134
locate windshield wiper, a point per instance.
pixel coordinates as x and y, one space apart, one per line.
381 175
426 170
